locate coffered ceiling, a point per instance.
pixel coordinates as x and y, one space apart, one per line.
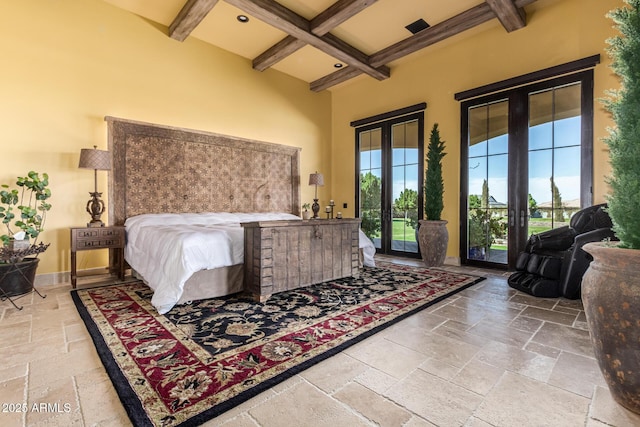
325 42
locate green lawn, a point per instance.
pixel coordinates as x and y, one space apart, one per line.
401 231
538 225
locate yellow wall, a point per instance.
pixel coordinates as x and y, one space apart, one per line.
68 63
557 31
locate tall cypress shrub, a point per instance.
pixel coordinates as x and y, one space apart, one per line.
433 182
624 139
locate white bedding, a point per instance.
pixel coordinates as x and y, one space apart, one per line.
166 249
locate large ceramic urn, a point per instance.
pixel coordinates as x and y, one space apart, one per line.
433 239
611 298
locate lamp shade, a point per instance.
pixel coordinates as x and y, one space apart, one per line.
92 158
316 179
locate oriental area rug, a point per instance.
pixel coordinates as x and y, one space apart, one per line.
202 359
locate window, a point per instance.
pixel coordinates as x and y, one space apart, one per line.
527 164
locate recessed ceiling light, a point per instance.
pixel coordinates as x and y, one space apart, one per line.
337 65
243 18
417 26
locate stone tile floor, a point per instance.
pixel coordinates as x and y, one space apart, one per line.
488 356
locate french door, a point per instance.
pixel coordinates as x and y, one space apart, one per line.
389 187
526 165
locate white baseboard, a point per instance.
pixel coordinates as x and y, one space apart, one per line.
452 260
50 279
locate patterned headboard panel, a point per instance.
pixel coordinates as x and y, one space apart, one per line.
161 169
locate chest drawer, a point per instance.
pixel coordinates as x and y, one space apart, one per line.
97 238
285 255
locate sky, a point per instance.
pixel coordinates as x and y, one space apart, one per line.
554 149
404 168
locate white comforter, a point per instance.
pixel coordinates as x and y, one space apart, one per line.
166 249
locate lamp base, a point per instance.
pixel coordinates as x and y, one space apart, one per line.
315 208
95 208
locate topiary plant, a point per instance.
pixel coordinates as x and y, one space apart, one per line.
433 182
624 139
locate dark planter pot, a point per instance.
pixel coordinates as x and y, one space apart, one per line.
611 298
433 238
17 278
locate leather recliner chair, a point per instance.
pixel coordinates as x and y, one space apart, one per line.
553 262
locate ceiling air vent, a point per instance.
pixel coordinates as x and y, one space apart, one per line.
417 26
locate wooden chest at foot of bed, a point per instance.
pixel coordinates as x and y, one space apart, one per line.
284 255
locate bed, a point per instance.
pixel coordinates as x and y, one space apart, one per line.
171 185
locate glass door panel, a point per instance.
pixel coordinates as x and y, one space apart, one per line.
554 156
404 176
487 189
370 146
528 154
390 156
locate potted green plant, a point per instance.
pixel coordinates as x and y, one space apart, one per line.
479 235
23 212
611 285
305 212
433 237
484 227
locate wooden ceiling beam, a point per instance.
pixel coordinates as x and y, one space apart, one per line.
336 14
468 19
334 78
510 16
191 14
459 23
297 26
327 20
277 53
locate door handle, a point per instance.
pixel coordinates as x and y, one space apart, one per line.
521 219
512 218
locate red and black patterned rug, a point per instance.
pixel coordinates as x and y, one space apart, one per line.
202 359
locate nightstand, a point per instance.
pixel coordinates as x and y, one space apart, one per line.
88 238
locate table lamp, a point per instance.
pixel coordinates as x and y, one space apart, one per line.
97 160
318 180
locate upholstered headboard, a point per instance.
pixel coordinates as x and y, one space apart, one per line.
160 169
